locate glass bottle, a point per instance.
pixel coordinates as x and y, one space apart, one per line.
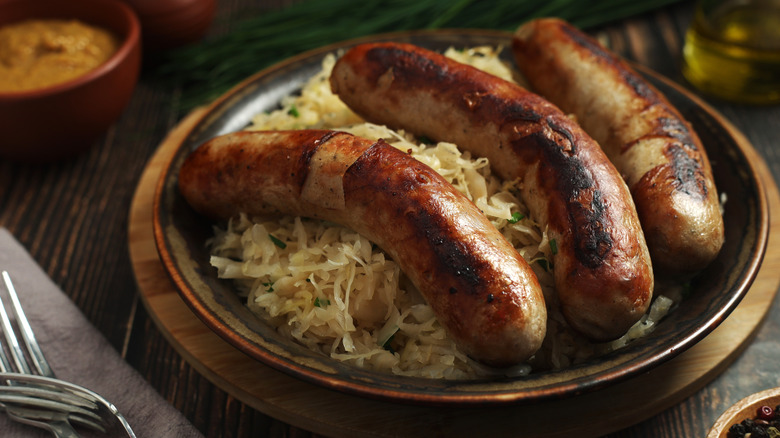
732 50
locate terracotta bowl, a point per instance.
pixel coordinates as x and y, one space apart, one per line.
742 410
168 24
64 119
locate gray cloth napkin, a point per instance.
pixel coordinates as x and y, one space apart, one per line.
79 353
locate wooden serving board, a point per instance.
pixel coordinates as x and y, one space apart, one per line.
333 413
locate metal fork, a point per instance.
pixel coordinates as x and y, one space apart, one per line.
43 400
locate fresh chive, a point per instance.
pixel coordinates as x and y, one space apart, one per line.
516 217
208 69
553 246
277 242
387 345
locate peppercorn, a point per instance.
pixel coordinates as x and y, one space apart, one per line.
737 431
765 413
766 424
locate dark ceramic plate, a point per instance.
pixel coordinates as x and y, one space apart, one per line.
180 235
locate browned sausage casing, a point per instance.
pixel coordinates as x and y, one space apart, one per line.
481 290
655 149
602 269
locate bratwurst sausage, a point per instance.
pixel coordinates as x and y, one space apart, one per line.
480 288
602 269
656 150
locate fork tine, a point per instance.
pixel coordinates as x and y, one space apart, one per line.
46 400
36 355
59 390
49 405
31 414
13 344
50 393
5 364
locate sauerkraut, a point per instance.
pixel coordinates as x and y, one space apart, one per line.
332 290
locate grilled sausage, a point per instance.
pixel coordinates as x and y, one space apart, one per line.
481 290
655 149
602 270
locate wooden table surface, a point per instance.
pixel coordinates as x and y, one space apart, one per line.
72 217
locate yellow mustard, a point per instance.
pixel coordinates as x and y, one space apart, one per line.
40 53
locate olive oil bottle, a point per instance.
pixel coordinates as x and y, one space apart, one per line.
732 50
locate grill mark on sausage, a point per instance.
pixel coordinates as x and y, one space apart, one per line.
688 175
683 154
384 58
684 162
675 128
429 223
684 158
593 241
586 210
637 84
450 254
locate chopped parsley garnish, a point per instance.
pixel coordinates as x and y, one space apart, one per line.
269 287
277 242
544 264
424 139
293 111
321 303
516 217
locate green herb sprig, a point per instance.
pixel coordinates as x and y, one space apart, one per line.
208 69
516 217
321 303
